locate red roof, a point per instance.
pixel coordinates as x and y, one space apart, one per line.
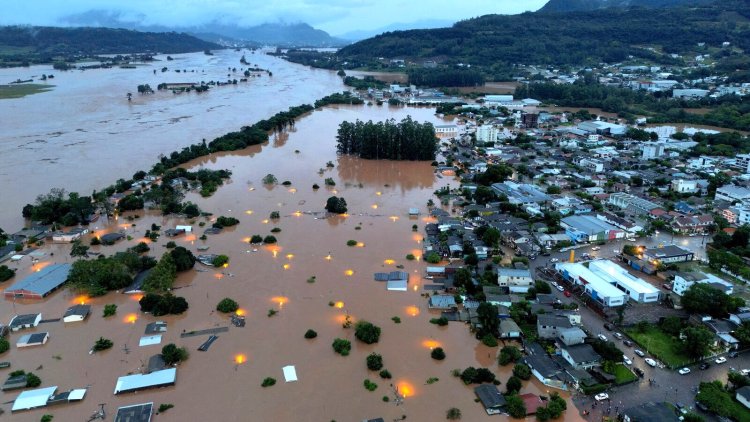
658 212
532 401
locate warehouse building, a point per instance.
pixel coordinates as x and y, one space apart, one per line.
596 287
638 289
586 228
41 283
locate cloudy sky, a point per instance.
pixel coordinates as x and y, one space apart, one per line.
334 16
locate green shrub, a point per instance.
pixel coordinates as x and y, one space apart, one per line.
489 340
256 238
370 386
227 305
396 319
267 382
269 240
310 334
110 310
366 332
164 407
374 362
173 354
508 354
276 230
220 260
351 243
385 374
410 257
442 321
46 418
342 347
522 371
102 344
438 353
32 380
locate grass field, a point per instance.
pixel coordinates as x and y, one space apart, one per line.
624 375
663 346
22 90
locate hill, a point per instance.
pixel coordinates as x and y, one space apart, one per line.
564 6
43 44
281 34
575 38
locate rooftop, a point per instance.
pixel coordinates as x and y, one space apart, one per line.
606 268
582 353
666 252
490 396
135 413
139 381
44 281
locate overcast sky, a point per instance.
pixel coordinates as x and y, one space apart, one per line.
333 16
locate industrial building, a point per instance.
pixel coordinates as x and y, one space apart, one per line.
41 283
136 382
639 290
586 228
668 254
596 287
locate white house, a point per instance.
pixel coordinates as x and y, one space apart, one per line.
685 186
683 282
516 280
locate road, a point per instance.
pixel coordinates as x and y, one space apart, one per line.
668 385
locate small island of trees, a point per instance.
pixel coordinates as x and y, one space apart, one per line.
406 140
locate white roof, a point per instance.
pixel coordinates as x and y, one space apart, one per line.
139 381
77 394
290 374
583 275
33 398
608 269
150 340
397 285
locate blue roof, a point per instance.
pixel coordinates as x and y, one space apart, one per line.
44 281
140 381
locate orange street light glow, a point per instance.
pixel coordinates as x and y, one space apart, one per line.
286 266
329 257
297 213
293 190
218 276
378 193
240 359
339 304
393 218
240 312
281 300
81 300
249 212
431 344
131 318
334 191
265 221
412 310
416 287
405 389
136 297
289 256
275 253
349 272
389 262
360 244
246 239
226 264
374 206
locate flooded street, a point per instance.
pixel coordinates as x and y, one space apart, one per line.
84 134
211 385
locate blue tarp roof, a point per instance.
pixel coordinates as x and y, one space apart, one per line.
44 281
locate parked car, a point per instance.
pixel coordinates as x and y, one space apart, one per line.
595 248
701 406
684 371
602 337
639 352
560 288
638 371
733 354
616 251
720 360
608 326
554 284
650 362
617 336
667 286
553 260
704 366
627 343
567 293
601 396
745 372
626 360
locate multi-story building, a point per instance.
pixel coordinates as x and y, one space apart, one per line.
742 163
652 150
732 193
685 186
632 203
487 133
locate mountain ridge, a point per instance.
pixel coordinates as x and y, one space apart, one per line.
565 6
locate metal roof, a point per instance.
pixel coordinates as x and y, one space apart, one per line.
582 274
608 269
44 281
135 413
33 398
588 224
490 396
141 381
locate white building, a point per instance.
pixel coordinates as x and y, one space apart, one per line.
742 163
591 164
446 131
732 193
685 186
652 150
597 288
516 280
690 93
487 133
683 282
639 290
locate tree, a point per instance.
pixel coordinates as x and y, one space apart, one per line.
159 305
109 310
508 354
366 332
341 346
671 325
32 380
513 385
701 298
183 259
173 354
453 414
6 273
438 353
697 341
78 249
162 276
487 315
491 237
220 261
374 362
515 406
4 345
102 344
227 305
98 276
268 382
310 334
433 257
336 205
554 190
522 371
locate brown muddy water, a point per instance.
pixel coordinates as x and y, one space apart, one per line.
84 134
211 385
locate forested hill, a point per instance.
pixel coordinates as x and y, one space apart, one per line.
55 41
563 6
607 35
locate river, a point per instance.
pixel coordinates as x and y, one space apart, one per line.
84 134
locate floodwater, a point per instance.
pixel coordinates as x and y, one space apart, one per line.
211 385
84 134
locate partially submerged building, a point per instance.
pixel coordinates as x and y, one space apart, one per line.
41 283
137 382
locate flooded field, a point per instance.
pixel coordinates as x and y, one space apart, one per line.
84 134
212 385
